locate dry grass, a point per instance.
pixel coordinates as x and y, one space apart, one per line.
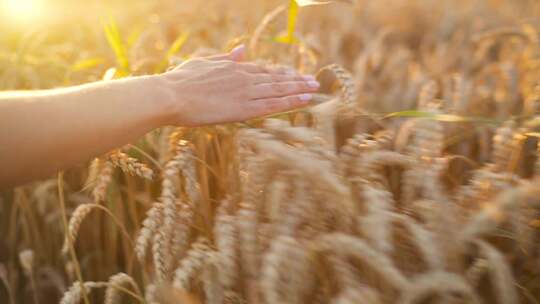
414 179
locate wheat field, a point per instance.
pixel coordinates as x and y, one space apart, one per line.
413 178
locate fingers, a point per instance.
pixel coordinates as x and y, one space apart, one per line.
280 89
260 68
219 57
269 106
237 54
251 68
270 78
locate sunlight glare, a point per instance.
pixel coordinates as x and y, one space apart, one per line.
21 10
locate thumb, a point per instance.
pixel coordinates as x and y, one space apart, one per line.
236 54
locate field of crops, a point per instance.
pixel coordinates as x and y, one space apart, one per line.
413 178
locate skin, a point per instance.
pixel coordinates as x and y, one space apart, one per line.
42 132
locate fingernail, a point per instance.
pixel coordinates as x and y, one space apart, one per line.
313 84
238 52
238 48
308 77
305 97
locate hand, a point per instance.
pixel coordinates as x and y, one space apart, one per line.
221 89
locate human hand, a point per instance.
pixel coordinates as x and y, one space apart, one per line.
222 89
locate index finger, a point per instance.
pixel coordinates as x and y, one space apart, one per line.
257 68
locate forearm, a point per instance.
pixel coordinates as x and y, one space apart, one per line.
46 131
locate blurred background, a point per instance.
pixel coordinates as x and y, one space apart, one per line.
46 43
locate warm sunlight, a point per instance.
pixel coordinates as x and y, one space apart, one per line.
22 10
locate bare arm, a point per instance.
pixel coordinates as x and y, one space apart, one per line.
45 131
42 132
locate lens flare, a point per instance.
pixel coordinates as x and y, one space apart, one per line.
21 11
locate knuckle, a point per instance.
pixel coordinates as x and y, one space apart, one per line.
274 104
284 78
290 100
280 71
243 95
241 78
246 66
279 88
221 69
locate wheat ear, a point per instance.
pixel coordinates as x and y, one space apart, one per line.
493 213
213 289
103 180
355 294
150 225
130 165
500 273
346 81
164 250
192 264
476 271
74 293
226 238
503 145
425 240
286 276
150 294
75 222
354 247
112 294
376 224
441 283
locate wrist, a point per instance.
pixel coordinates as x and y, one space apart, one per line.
161 99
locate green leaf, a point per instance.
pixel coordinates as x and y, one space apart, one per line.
86 64
442 117
286 39
175 47
134 36
289 38
117 45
